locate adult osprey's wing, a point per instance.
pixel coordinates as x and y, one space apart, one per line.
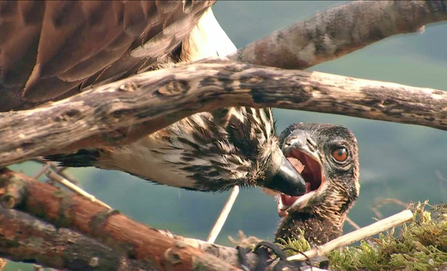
51 49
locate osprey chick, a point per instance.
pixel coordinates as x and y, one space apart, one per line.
329 154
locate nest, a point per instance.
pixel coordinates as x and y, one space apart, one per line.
420 244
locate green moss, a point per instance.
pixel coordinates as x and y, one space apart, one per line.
420 244
291 246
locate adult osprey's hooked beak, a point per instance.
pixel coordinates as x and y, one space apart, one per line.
285 179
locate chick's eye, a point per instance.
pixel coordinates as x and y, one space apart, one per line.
340 154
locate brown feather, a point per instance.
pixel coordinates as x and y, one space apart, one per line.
48 48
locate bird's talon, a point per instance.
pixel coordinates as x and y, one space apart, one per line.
242 257
264 251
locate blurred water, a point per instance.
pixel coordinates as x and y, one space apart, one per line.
398 161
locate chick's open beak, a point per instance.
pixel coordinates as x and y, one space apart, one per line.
286 179
299 146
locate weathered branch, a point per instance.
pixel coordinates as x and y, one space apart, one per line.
27 239
166 92
124 236
162 97
227 254
106 230
114 242
339 31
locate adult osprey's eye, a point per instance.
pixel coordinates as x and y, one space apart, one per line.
340 154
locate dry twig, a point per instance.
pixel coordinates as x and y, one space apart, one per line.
59 179
357 235
223 215
380 202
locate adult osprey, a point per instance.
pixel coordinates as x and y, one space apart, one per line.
53 49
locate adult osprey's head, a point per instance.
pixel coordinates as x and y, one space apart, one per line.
232 146
329 155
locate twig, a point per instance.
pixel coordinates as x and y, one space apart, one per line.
63 172
49 164
42 170
382 201
3 262
357 227
357 235
223 215
57 178
352 223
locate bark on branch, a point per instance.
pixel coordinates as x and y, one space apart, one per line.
85 240
162 97
339 31
27 239
127 238
146 103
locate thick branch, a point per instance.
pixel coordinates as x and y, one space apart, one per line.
120 244
321 38
124 236
162 97
339 31
27 239
227 254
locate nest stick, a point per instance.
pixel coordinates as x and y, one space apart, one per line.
57 178
223 215
352 223
357 235
42 170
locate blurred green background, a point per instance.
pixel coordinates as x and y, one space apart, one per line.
404 162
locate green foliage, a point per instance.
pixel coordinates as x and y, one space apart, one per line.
418 245
291 246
